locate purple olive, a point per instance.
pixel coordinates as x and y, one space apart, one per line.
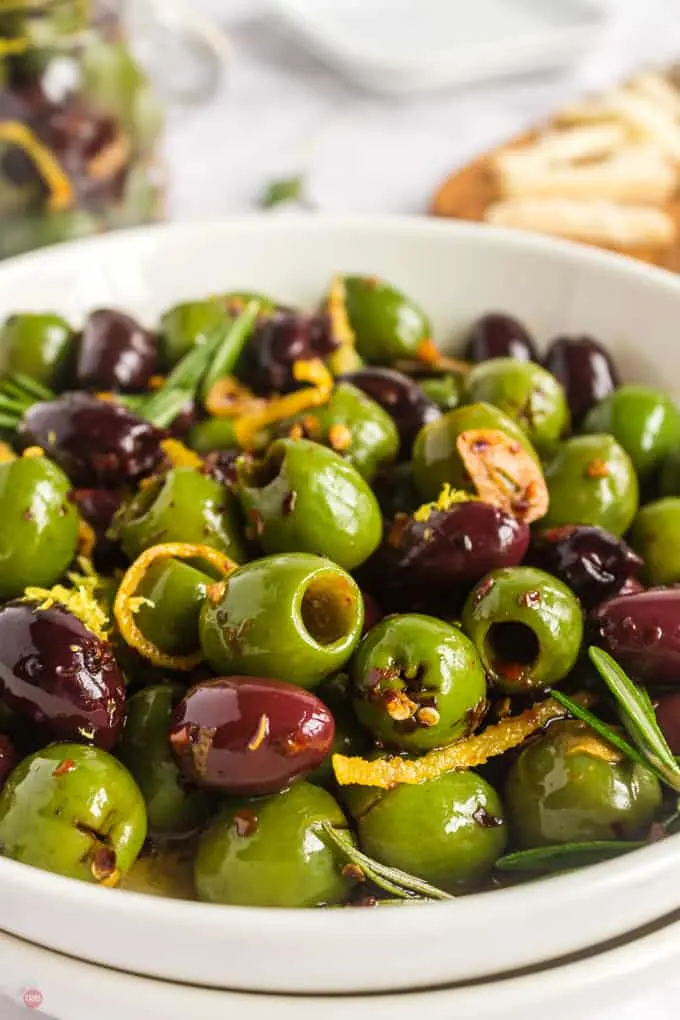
278 341
401 397
431 563
59 676
115 353
372 612
95 442
98 507
499 336
8 757
667 708
586 371
249 735
642 632
595 564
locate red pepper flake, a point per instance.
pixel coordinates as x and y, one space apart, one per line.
103 867
597 468
67 765
482 590
245 822
530 599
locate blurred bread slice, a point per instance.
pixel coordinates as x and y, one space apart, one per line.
604 171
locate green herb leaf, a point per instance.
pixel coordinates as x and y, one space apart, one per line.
227 354
284 189
638 717
392 880
32 387
601 728
566 856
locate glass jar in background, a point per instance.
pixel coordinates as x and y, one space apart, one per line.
80 125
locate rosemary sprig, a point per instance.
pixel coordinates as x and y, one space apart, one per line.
601 728
392 880
230 349
565 856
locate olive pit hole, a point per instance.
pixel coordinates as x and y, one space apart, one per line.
260 474
328 609
512 644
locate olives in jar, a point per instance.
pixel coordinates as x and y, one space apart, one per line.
114 353
586 371
249 735
448 831
74 811
527 627
97 443
496 335
417 683
272 853
59 675
570 786
591 480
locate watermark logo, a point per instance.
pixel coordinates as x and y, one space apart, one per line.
32 998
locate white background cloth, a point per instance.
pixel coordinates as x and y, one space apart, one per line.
279 112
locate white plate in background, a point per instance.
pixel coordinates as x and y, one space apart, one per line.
405 46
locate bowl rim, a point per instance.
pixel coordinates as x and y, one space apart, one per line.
610 876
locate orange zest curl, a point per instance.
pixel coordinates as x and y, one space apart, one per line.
429 354
385 773
125 602
180 455
59 186
228 398
504 473
86 539
315 372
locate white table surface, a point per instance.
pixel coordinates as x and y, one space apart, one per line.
281 112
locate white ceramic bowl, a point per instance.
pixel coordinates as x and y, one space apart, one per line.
456 272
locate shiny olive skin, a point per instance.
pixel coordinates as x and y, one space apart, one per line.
401 397
527 627
304 498
350 737
387 325
176 591
249 736
667 707
186 325
183 505
643 420
8 757
669 479
59 676
174 807
568 786
436 460
446 552
449 831
591 480
39 346
39 531
417 683
526 393
75 811
371 440
95 442
270 853
593 563
655 535
642 632
278 341
294 616
98 507
114 353
586 371
495 335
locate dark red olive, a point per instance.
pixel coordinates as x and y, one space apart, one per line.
401 397
115 353
430 563
595 564
59 676
499 336
97 507
8 757
277 342
667 708
372 612
642 632
249 735
586 371
97 443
